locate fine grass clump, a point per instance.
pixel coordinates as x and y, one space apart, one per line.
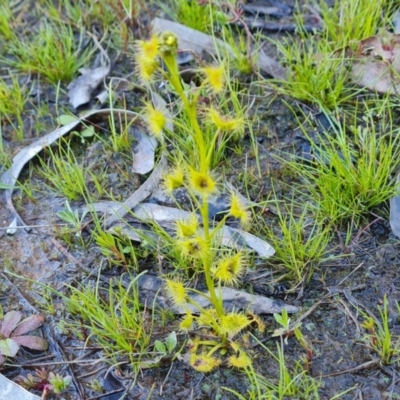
316 74
301 242
346 21
13 98
70 178
318 69
6 21
52 52
113 316
353 170
292 383
379 337
194 14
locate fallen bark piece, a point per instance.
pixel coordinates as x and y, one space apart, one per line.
238 300
141 193
229 237
199 42
10 390
10 177
394 217
151 291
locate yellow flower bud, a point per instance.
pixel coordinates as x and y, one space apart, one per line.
168 43
215 76
230 268
201 182
240 361
156 120
176 292
204 363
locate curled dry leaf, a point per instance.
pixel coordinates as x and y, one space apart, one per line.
10 177
376 63
80 89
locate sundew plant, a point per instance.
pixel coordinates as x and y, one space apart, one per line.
196 238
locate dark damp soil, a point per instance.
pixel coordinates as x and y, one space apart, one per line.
343 289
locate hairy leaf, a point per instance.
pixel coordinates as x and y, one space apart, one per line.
32 342
10 321
28 324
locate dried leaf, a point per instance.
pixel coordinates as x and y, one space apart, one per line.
10 321
8 347
10 177
143 152
376 63
395 212
12 228
28 324
81 88
32 342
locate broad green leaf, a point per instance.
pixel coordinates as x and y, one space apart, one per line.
66 119
171 341
88 132
160 347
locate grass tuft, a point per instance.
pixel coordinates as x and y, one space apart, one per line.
52 52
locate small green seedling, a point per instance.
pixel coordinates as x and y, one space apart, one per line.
379 337
59 383
53 53
84 134
73 218
166 348
45 381
284 321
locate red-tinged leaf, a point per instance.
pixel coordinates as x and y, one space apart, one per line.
32 342
2 360
376 63
8 347
28 324
10 321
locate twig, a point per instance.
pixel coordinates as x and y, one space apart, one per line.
166 378
66 253
366 365
354 270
